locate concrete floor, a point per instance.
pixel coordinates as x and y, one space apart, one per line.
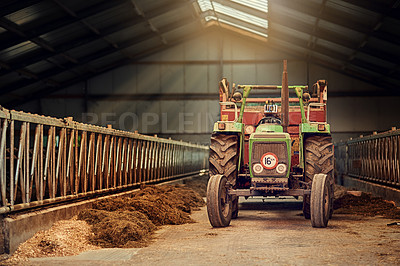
270 232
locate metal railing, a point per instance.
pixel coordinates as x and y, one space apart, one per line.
45 159
375 158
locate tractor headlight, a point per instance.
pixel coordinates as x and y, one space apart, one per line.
281 168
257 168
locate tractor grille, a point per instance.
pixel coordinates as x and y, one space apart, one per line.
278 148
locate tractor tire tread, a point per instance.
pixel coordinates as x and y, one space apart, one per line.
318 158
224 154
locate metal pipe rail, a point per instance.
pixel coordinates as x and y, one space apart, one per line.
46 159
374 158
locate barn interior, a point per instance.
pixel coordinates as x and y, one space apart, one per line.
108 109
146 65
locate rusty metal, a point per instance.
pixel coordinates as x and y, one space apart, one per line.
374 158
46 160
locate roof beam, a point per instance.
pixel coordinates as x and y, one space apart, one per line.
325 51
11 26
337 68
41 77
386 9
326 14
384 55
12 6
25 73
52 72
333 16
312 40
275 34
368 66
300 26
53 25
34 57
31 59
141 13
91 28
48 90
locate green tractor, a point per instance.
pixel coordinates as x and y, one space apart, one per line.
275 146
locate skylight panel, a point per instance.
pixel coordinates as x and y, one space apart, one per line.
241 15
243 28
205 5
261 5
233 12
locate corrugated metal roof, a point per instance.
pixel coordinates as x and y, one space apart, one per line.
48 45
27 17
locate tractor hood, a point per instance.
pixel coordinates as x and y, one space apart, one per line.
269 128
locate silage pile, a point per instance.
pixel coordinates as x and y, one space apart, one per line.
128 221
64 238
365 204
115 222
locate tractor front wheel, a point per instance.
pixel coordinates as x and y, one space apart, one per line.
219 203
320 201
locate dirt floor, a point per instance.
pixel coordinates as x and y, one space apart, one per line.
270 232
273 232
267 232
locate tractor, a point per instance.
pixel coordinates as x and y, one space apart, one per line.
276 146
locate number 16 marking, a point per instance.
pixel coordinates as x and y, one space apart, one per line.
269 160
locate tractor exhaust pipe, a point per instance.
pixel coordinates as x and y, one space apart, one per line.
285 98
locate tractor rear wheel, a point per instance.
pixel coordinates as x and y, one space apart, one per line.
224 156
219 203
320 201
318 155
223 160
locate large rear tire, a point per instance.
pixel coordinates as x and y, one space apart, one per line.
318 155
219 203
224 156
320 201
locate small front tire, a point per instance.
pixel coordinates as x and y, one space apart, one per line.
320 201
219 202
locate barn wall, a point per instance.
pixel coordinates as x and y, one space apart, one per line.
195 67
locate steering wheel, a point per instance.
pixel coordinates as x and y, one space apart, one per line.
269 120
